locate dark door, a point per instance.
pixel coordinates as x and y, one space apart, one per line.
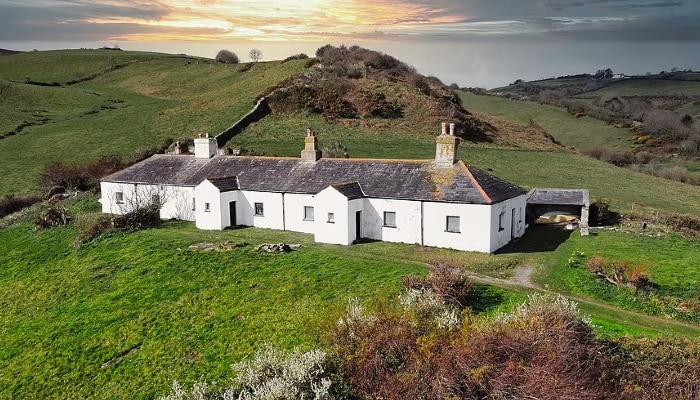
512 223
358 225
232 213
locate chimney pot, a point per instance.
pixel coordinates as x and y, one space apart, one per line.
444 128
206 135
452 129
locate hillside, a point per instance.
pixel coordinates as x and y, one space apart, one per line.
133 101
659 113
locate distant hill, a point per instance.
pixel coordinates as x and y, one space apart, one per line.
6 52
658 114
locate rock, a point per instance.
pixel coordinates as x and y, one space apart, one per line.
276 248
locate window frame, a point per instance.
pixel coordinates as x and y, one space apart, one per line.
306 213
207 207
331 218
447 224
194 204
119 197
385 223
259 206
501 218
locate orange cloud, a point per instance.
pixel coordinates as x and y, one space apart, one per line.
280 20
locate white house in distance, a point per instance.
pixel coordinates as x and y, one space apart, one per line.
442 202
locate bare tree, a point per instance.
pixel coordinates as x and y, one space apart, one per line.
227 57
255 55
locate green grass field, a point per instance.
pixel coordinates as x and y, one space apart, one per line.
670 261
67 310
647 87
582 133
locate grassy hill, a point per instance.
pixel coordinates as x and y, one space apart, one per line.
149 98
582 133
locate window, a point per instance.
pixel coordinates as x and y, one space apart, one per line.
155 199
194 205
207 208
331 218
452 224
259 209
308 213
390 219
119 197
501 218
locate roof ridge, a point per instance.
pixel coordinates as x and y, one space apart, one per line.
476 183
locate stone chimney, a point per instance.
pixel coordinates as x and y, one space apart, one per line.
311 153
205 147
447 148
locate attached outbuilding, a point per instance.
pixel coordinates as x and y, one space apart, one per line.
560 202
442 202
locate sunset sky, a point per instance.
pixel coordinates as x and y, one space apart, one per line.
470 42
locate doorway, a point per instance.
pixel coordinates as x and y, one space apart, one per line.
512 223
358 225
232 213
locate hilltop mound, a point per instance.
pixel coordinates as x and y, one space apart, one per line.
353 86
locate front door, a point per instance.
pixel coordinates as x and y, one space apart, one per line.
358 225
232 213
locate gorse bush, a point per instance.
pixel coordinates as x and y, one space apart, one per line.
543 349
272 375
53 216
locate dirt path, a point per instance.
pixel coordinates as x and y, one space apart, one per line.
522 278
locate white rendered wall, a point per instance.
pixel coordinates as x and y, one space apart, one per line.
176 200
500 238
204 193
294 213
330 201
272 209
475 226
408 220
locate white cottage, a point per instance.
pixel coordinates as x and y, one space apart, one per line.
442 202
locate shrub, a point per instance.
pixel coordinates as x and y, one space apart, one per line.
449 283
140 218
227 57
272 375
300 56
53 216
245 67
335 149
596 265
80 177
600 214
92 228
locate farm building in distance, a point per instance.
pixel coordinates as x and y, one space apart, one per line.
442 202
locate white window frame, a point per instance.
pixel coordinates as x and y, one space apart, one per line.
308 210
501 219
262 209
119 197
207 207
458 222
194 205
331 218
386 222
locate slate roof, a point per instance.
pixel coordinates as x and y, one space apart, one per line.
351 190
227 184
394 179
568 197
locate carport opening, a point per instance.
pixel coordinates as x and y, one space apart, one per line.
564 208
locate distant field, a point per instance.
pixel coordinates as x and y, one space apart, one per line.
126 109
647 87
582 133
